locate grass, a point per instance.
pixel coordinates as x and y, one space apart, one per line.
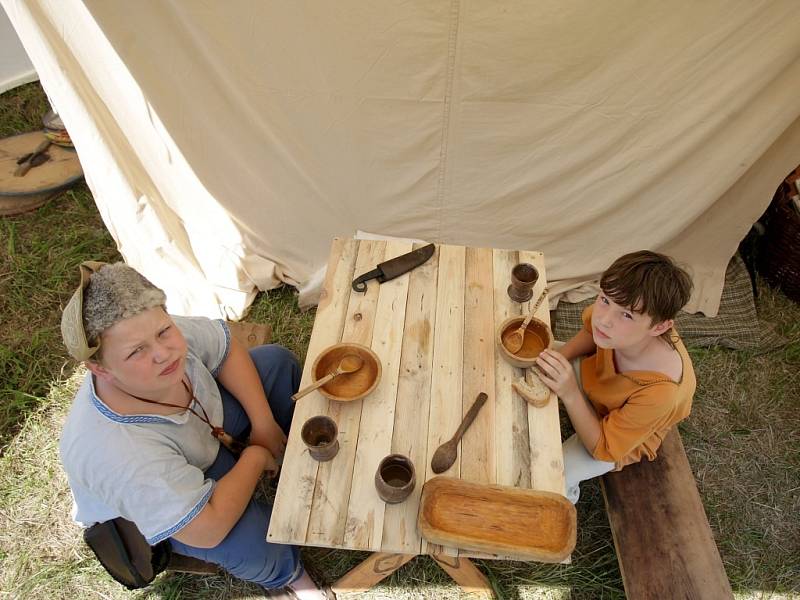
22 109
742 440
291 327
37 275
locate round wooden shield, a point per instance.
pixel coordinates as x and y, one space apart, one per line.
40 183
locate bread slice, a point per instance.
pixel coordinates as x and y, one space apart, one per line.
534 391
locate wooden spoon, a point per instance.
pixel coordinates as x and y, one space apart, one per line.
446 454
513 341
350 363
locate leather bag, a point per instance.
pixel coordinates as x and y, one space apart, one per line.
125 554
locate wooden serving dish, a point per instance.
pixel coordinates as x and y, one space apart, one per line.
519 523
538 336
347 386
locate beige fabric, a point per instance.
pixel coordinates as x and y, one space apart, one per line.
227 143
15 66
73 331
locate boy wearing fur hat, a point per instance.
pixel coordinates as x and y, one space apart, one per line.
637 380
146 436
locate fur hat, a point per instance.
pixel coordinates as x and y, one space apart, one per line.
107 294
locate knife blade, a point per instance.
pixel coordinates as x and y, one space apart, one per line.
394 267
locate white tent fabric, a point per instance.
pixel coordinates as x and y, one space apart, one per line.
227 143
15 66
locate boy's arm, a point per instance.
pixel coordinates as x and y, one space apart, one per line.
584 419
582 343
228 501
557 374
239 376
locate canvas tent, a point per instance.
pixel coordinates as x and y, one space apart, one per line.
227 143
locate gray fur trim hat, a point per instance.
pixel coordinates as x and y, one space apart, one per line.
106 295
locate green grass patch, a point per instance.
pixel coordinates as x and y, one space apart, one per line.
22 109
37 276
291 327
40 251
742 443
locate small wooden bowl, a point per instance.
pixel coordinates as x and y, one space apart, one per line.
347 386
537 337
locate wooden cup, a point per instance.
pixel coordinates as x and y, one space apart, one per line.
395 478
523 277
320 435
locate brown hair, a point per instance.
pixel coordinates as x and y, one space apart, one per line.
650 283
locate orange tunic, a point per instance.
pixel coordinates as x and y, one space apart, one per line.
636 408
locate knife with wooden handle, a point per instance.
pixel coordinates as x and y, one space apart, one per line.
395 267
34 159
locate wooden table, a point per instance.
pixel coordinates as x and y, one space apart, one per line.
434 330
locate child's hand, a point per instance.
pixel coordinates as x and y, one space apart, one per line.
269 435
262 456
557 374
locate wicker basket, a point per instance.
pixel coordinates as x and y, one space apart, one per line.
779 256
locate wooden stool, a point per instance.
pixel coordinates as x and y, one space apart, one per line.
250 334
186 564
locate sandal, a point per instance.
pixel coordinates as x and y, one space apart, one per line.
290 594
327 592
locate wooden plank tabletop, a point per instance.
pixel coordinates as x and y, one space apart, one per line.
434 331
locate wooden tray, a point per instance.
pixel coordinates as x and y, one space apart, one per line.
521 523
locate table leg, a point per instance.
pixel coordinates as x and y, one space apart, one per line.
374 569
466 575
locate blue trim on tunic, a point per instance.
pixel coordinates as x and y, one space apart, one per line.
184 521
215 370
118 418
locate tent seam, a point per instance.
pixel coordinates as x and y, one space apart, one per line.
452 46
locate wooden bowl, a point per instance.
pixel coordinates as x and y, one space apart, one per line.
515 522
537 337
347 386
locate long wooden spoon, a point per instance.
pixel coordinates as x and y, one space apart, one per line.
513 341
350 363
446 454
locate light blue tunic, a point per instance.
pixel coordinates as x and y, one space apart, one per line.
147 468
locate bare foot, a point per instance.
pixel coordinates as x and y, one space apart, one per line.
305 588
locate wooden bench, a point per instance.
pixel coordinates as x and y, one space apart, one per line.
187 564
664 544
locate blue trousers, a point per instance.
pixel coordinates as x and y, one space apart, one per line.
245 552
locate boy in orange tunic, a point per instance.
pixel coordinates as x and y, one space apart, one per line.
637 379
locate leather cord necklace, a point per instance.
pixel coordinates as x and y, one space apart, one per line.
225 438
